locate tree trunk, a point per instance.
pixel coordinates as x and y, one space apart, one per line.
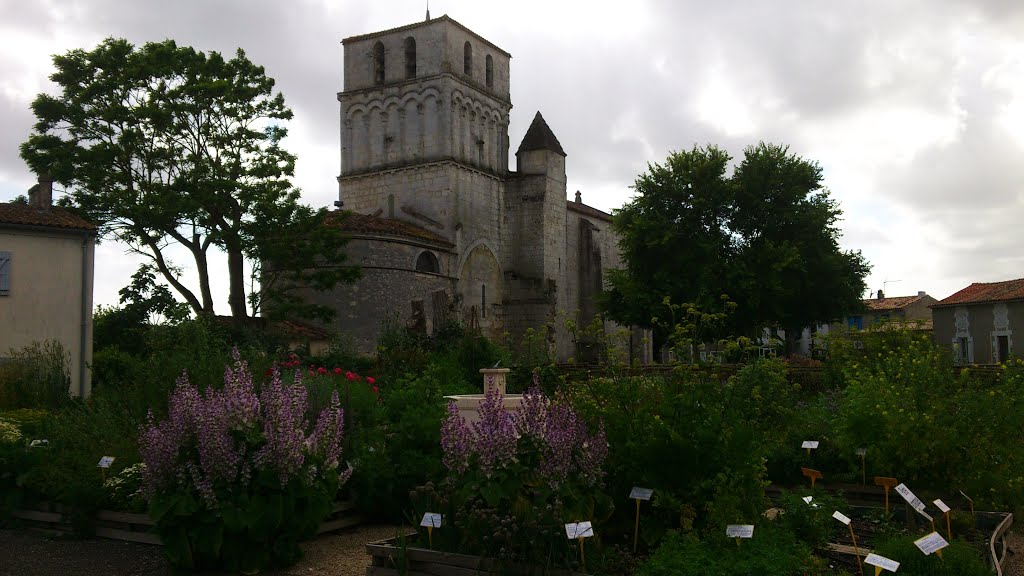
203 269
236 280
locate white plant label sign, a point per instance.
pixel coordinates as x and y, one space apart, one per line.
638 493
882 562
862 452
841 517
739 530
39 443
807 499
909 496
926 516
105 462
810 444
931 543
574 530
431 519
941 506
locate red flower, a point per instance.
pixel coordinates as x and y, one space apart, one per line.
268 372
376 390
337 370
321 370
371 380
351 376
291 356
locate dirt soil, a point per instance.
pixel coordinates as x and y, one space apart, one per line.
26 553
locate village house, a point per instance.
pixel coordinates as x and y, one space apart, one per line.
976 324
46 280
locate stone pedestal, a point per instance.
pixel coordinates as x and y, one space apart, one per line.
494 378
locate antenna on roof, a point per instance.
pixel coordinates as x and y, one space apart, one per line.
885 283
428 9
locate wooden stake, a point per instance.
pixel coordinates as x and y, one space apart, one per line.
878 570
636 525
430 536
856 552
583 562
949 532
863 472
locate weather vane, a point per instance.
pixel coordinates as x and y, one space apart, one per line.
428 9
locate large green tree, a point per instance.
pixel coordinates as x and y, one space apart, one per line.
167 146
765 235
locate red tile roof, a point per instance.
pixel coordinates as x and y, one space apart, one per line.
54 217
893 303
368 224
981 292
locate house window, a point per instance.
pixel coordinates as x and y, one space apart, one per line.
489 71
467 59
410 57
5 273
964 354
378 63
1002 348
427 262
855 322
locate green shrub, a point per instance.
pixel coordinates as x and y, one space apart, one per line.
959 558
36 376
773 551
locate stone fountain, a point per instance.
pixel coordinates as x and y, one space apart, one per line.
494 379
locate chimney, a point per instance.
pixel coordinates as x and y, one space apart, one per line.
880 295
921 293
579 197
41 195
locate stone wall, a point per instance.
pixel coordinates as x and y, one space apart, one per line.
387 289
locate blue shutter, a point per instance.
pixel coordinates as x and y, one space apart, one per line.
5 273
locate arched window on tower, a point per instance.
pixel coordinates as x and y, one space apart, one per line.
427 262
467 59
378 63
489 71
410 57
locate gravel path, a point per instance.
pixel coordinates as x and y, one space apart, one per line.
25 553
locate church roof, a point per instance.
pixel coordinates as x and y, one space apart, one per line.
540 137
444 18
369 224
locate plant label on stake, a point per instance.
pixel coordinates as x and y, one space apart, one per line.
812 474
807 500
638 494
931 543
579 531
887 482
809 445
41 443
846 520
431 520
945 511
738 531
881 563
105 463
909 496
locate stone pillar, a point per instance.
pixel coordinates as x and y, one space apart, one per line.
494 378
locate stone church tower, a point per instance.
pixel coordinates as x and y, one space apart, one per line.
440 226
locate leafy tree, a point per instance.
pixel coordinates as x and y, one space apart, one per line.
765 236
165 146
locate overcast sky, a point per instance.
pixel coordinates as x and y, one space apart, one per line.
915 109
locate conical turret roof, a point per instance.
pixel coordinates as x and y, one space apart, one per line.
540 137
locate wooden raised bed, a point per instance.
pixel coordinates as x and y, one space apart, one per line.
140 528
388 559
